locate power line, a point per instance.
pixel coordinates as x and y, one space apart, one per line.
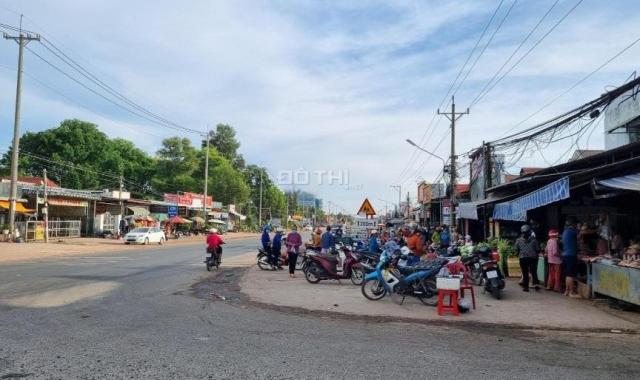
526 38
485 46
415 154
129 105
528 52
579 82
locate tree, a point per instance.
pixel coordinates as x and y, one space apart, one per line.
77 155
225 182
225 142
177 166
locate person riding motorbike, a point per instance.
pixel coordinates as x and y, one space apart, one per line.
266 239
276 248
214 242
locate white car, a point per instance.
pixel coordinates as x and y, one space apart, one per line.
145 235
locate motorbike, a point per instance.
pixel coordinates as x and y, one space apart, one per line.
492 277
212 259
265 262
325 267
416 281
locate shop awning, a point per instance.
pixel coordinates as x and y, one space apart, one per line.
627 182
242 217
19 207
138 210
516 210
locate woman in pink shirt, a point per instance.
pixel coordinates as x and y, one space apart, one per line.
554 258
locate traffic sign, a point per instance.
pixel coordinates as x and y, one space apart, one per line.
366 208
172 211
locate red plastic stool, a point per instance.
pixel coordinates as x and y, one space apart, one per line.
452 306
459 268
464 287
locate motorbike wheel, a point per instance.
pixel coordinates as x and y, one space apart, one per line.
373 290
208 265
497 293
313 274
357 276
263 262
429 296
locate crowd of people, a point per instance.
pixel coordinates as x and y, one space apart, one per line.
292 241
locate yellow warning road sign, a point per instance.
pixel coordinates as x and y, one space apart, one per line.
366 208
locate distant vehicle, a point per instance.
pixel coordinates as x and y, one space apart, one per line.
145 235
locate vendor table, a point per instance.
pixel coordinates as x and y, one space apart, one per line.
622 283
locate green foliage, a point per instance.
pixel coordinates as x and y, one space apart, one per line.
224 140
177 167
80 143
506 249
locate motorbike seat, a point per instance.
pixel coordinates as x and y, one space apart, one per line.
330 258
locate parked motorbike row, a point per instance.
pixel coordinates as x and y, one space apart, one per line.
394 271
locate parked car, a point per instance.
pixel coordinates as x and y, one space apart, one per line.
145 235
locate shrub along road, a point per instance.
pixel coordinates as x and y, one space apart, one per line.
117 315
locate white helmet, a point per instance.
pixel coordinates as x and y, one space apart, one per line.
213 230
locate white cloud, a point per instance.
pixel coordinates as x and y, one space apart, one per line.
312 85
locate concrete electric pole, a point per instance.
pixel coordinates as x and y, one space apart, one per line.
206 180
453 116
399 188
22 39
45 210
260 203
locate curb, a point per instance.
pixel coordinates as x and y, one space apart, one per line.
230 279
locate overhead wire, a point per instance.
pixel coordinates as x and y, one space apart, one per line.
415 154
517 49
571 10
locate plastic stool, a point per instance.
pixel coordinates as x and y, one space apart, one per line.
464 287
452 306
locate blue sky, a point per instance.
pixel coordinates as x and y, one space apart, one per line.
317 85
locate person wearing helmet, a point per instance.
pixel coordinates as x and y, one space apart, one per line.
374 246
266 239
528 250
214 243
276 248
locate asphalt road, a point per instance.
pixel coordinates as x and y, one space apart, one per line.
134 315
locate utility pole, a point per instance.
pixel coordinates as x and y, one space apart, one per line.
453 116
121 204
399 188
45 209
206 179
22 39
260 210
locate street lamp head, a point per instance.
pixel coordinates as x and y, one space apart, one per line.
411 142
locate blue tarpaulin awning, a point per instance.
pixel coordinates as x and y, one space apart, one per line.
627 182
516 210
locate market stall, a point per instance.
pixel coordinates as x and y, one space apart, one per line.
619 279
